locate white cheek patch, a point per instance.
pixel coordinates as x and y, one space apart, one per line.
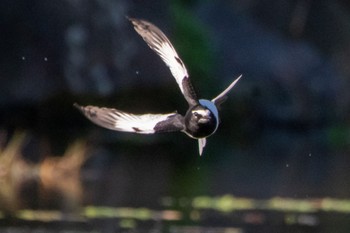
202 112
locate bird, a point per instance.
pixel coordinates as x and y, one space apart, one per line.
202 117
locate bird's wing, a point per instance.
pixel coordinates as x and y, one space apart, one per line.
159 43
201 145
222 96
114 119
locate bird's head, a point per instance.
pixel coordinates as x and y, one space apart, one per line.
201 114
205 112
201 120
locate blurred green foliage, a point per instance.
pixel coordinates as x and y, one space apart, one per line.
192 42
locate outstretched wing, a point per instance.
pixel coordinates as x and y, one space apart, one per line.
159 43
114 119
218 100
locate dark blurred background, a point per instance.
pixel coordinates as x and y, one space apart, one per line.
285 126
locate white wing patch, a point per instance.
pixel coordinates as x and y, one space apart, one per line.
168 54
158 42
114 119
137 123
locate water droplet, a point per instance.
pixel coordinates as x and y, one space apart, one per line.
137 72
45 58
23 58
287 165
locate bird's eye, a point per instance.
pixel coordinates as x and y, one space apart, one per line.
196 114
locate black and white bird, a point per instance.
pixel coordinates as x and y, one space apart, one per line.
201 119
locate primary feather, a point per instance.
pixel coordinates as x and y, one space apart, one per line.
218 100
114 119
159 43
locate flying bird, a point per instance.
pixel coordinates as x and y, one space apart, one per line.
202 117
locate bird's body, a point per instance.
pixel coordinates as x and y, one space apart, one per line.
201 119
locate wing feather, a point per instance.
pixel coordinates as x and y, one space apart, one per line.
114 119
159 43
218 100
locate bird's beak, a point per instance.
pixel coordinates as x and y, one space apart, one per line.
204 119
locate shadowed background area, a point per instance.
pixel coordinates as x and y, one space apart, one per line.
284 133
